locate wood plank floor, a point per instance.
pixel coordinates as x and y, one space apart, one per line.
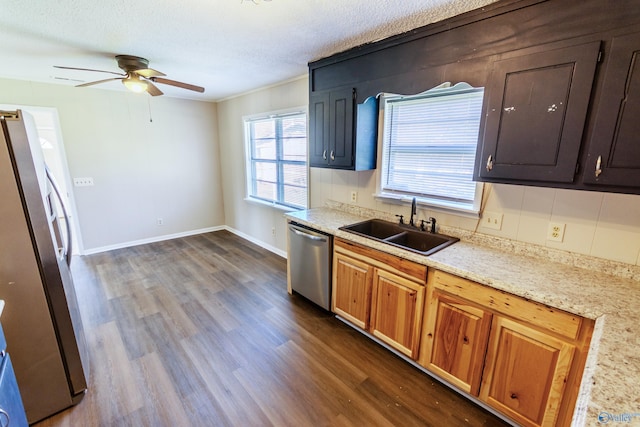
200 331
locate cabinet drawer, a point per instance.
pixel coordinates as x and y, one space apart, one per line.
559 322
397 265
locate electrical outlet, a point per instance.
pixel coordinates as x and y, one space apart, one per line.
354 196
83 182
492 220
273 231
159 221
555 231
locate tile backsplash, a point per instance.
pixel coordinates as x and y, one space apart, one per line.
600 225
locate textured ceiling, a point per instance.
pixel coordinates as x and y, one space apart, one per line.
227 46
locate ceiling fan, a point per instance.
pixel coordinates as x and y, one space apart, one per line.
137 76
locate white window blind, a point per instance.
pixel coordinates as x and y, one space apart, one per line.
277 159
429 146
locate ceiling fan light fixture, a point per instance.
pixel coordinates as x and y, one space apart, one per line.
135 84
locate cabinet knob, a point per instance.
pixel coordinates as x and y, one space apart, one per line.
489 163
514 396
324 154
598 166
333 156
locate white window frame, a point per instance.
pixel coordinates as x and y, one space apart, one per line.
450 205
246 121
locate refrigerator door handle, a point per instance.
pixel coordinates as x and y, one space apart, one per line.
69 245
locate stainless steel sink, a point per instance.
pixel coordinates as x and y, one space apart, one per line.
402 236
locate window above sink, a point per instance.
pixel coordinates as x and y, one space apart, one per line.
428 147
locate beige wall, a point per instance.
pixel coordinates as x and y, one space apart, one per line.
175 168
142 170
254 220
604 225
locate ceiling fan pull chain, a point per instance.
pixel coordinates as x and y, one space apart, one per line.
149 104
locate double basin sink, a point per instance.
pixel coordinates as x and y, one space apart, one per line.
402 236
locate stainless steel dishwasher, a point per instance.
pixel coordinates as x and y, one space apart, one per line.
310 263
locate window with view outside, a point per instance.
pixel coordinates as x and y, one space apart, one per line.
277 159
429 146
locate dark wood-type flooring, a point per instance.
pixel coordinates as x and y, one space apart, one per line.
200 331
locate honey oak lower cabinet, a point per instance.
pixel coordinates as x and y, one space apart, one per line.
456 334
525 373
351 298
396 312
522 358
380 293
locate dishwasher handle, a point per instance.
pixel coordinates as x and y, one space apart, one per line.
307 235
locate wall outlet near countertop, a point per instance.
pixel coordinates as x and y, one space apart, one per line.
492 220
354 196
555 232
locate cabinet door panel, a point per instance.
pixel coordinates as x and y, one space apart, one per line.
351 296
536 113
458 333
341 129
525 373
319 129
397 311
616 130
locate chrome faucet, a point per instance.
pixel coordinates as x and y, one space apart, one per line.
413 211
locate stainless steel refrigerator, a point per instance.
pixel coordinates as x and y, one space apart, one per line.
41 319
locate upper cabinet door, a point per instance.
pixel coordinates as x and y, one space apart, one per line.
342 134
319 129
535 115
341 123
614 152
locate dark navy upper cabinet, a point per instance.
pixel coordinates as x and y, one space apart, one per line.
342 132
535 115
614 150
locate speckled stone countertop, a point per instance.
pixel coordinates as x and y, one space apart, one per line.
611 382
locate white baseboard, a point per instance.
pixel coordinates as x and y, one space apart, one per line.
260 243
152 240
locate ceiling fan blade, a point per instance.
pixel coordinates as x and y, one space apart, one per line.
88 69
149 72
153 89
178 84
98 82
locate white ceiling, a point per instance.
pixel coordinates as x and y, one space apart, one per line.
227 46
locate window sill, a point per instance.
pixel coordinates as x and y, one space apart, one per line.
449 207
272 204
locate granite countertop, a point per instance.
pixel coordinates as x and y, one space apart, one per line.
611 382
